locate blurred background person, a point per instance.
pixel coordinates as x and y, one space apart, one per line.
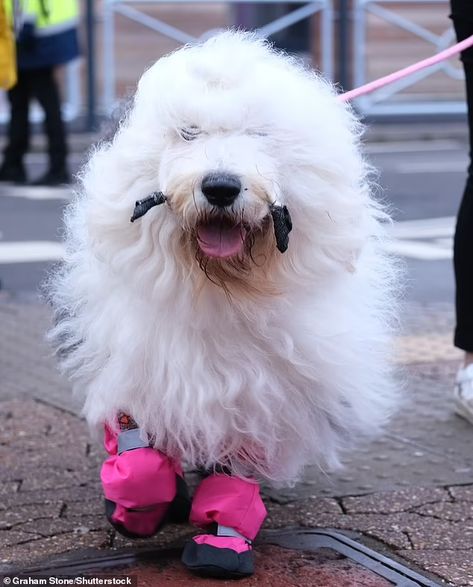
462 16
46 38
7 52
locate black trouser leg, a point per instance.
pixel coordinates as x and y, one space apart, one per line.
45 90
462 16
18 127
463 265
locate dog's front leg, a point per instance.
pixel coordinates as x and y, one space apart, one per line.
233 509
143 488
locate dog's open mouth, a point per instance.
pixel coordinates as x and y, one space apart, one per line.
221 238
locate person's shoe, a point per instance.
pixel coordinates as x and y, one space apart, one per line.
463 393
13 174
224 555
52 179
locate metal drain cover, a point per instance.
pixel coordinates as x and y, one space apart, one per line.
381 565
284 558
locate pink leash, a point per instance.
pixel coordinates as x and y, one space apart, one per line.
402 73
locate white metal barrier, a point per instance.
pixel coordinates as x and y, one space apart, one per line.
378 102
128 9
382 102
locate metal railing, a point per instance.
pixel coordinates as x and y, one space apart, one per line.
379 103
393 100
128 9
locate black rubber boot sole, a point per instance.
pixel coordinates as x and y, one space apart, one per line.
222 563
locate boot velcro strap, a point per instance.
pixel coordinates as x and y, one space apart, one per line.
230 532
131 439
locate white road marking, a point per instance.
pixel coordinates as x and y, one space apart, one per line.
429 239
445 242
419 250
410 167
413 146
37 193
426 239
424 228
30 251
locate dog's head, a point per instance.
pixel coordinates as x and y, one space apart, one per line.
223 194
234 135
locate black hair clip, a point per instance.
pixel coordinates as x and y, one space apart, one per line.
282 226
142 206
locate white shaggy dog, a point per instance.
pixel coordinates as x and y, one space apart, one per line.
225 350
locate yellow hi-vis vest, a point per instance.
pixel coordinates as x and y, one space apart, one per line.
48 16
46 32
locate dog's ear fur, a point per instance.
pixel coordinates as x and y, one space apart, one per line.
111 125
282 226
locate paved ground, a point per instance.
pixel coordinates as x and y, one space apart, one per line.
51 502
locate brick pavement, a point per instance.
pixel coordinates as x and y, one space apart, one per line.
50 499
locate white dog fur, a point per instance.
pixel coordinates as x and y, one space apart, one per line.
265 364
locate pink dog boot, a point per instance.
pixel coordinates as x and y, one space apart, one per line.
235 511
140 483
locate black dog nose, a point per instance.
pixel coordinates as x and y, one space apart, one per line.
221 189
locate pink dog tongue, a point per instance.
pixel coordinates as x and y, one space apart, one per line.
218 239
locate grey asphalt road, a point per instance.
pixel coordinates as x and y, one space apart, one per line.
421 182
